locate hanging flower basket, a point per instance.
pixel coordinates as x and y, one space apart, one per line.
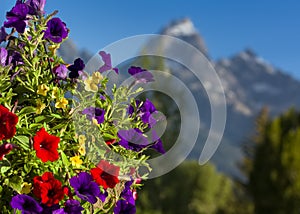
68 143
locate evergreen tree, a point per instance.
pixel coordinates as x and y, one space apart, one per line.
274 180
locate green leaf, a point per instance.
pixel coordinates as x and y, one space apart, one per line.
56 116
4 169
65 159
27 110
23 141
16 183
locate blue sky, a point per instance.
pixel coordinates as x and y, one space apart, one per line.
270 28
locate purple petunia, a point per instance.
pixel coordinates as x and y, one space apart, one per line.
132 139
157 145
51 209
141 75
145 111
94 113
17 17
61 71
76 68
127 204
36 7
85 188
3 56
3 35
26 204
56 30
106 58
71 207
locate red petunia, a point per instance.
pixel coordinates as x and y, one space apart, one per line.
110 142
106 174
48 189
5 149
8 122
46 146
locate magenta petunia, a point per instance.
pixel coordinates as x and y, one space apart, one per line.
106 58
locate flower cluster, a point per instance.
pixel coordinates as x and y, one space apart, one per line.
68 143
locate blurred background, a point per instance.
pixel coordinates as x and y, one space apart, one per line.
254 48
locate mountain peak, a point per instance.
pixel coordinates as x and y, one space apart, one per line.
184 29
181 27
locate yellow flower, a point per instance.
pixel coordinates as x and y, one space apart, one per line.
61 103
97 77
26 188
81 150
81 140
55 93
40 106
76 161
43 89
90 85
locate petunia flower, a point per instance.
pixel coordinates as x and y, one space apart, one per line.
5 149
85 188
46 146
127 203
8 122
145 111
76 69
3 56
50 210
36 7
106 174
40 106
17 17
94 113
60 71
141 75
106 58
26 204
56 30
3 34
43 90
48 189
132 139
157 145
61 103
90 85
71 207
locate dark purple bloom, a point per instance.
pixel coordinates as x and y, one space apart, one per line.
94 113
17 17
141 75
26 204
76 68
145 111
132 139
49 210
60 71
3 56
85 188
56 30
3 35
71 207
36 7
15 59
127 204
157 145
106 58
